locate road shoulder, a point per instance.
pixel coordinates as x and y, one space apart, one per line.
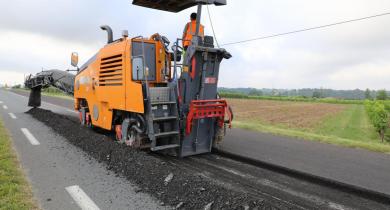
15 190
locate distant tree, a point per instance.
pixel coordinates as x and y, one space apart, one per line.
317 94
367 94
6 86
255 92
381 95
17 86
274 92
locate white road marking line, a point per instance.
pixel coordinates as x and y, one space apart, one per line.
12 115
69 110
1 102
5 107
81 198
17 94
50 104
30 137
44 102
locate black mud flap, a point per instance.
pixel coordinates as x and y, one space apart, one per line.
200 140
35 97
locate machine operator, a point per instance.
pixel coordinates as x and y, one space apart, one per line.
190 30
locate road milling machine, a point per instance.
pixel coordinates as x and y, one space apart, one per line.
131 86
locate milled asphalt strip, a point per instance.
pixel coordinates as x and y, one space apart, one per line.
345 187
5 107
12 115
317 200
81 198
30 137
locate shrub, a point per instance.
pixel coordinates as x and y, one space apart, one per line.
232 95
52 90
379 116
382 95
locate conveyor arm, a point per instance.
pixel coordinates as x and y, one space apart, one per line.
62 80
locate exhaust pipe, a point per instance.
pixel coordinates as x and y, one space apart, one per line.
109 33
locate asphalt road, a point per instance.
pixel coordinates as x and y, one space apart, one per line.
358 167
362 168
61 175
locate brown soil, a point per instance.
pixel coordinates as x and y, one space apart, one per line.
285 113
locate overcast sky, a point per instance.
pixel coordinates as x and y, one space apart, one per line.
43 33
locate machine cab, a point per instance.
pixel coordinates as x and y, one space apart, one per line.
150 60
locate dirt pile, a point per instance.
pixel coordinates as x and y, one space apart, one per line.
172 184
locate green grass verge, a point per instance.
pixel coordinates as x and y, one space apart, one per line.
15 192
352 123
59 95
350 128
50 92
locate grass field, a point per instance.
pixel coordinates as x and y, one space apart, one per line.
15 193
340 124
353 123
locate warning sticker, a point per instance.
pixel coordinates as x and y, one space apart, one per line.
210 80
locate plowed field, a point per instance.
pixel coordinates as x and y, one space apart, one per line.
288 114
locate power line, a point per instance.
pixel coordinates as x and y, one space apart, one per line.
212 26
306 29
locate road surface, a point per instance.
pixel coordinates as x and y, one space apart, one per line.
357 167
61 175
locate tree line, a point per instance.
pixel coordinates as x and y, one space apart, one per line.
356 94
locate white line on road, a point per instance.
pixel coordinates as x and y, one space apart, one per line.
60 107
17 94
81 198
1 102
69 110
5 107
12 115
30 137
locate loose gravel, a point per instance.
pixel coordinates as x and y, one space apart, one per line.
172 185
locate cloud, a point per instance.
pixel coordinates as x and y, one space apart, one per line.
43 33
364 73
312 59
11 78
38 51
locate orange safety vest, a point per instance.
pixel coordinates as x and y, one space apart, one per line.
190 31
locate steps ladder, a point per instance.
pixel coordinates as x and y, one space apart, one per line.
163 119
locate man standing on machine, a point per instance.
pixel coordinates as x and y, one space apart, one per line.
190 30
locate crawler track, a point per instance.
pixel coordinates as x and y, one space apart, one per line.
224 181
